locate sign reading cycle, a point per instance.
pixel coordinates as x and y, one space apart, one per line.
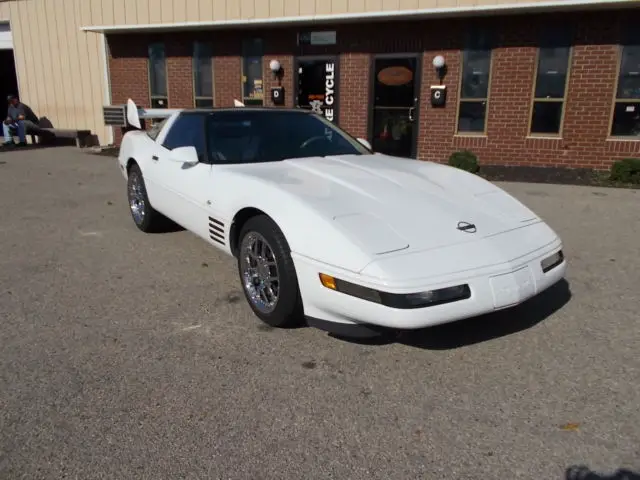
317 86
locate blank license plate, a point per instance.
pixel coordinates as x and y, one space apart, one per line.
512 288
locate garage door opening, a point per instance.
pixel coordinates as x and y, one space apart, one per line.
8 77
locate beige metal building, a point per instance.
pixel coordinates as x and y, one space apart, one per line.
61 59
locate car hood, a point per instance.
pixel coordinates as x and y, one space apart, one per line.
388 204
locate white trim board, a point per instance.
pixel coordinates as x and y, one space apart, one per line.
107 82
556 5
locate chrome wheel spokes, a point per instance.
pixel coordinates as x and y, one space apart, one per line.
259 271
136 199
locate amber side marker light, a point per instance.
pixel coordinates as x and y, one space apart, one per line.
328 281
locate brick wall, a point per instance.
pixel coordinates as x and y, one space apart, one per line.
354 82
591 86
278 45
227 68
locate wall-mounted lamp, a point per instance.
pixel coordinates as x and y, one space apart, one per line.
276 69
440 65
439 92
277 93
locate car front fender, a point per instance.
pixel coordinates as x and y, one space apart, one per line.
308 232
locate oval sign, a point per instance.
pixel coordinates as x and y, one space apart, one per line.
394 76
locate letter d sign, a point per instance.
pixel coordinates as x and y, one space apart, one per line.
277 95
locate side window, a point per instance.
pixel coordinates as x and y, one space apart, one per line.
187 130
156 128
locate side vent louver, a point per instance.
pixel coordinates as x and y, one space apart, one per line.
216 231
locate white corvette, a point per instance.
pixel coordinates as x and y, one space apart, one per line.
325 230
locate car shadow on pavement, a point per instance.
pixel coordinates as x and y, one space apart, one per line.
493 325
584 473
168 226
480 329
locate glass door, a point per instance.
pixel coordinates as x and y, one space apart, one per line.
396 90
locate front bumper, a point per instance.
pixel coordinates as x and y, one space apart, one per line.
492 288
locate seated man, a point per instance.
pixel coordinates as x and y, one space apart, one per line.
20 120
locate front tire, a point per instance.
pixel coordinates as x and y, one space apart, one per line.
268 275
144 215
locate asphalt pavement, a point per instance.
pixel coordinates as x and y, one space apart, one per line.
133 356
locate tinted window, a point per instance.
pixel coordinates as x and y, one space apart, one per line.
626 112
551 80
475 73
186 131
246 136
203 69
629 76
156 128
158 76
474 90
252 88
553 65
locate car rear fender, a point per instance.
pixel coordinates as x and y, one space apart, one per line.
138 146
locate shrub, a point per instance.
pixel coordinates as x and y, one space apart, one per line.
465 160
626 170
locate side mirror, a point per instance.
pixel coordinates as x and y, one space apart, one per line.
365 143
188 155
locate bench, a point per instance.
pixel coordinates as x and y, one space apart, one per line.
83 138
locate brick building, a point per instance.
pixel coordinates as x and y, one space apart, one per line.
544 89
528 82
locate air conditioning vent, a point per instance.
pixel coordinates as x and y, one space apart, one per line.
115 115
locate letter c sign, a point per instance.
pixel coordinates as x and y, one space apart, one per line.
438 95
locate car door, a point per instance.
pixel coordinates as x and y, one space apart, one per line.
185 186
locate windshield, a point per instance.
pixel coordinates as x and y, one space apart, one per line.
251 136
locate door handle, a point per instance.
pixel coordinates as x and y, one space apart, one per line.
155 158
411 113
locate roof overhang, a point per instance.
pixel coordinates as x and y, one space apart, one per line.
439 12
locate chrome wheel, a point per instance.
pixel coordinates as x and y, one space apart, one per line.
259 272
136 199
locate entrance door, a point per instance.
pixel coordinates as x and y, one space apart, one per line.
317 85
8 78
396 91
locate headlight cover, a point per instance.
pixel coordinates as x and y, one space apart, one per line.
552 261
428 298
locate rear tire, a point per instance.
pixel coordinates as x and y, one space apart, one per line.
144 215
268 275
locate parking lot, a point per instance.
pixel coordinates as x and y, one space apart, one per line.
125 355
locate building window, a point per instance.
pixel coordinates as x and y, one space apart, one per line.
626 110
203 74
551 79
474 84
252 86
158 76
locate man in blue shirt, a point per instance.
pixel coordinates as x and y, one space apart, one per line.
20 119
